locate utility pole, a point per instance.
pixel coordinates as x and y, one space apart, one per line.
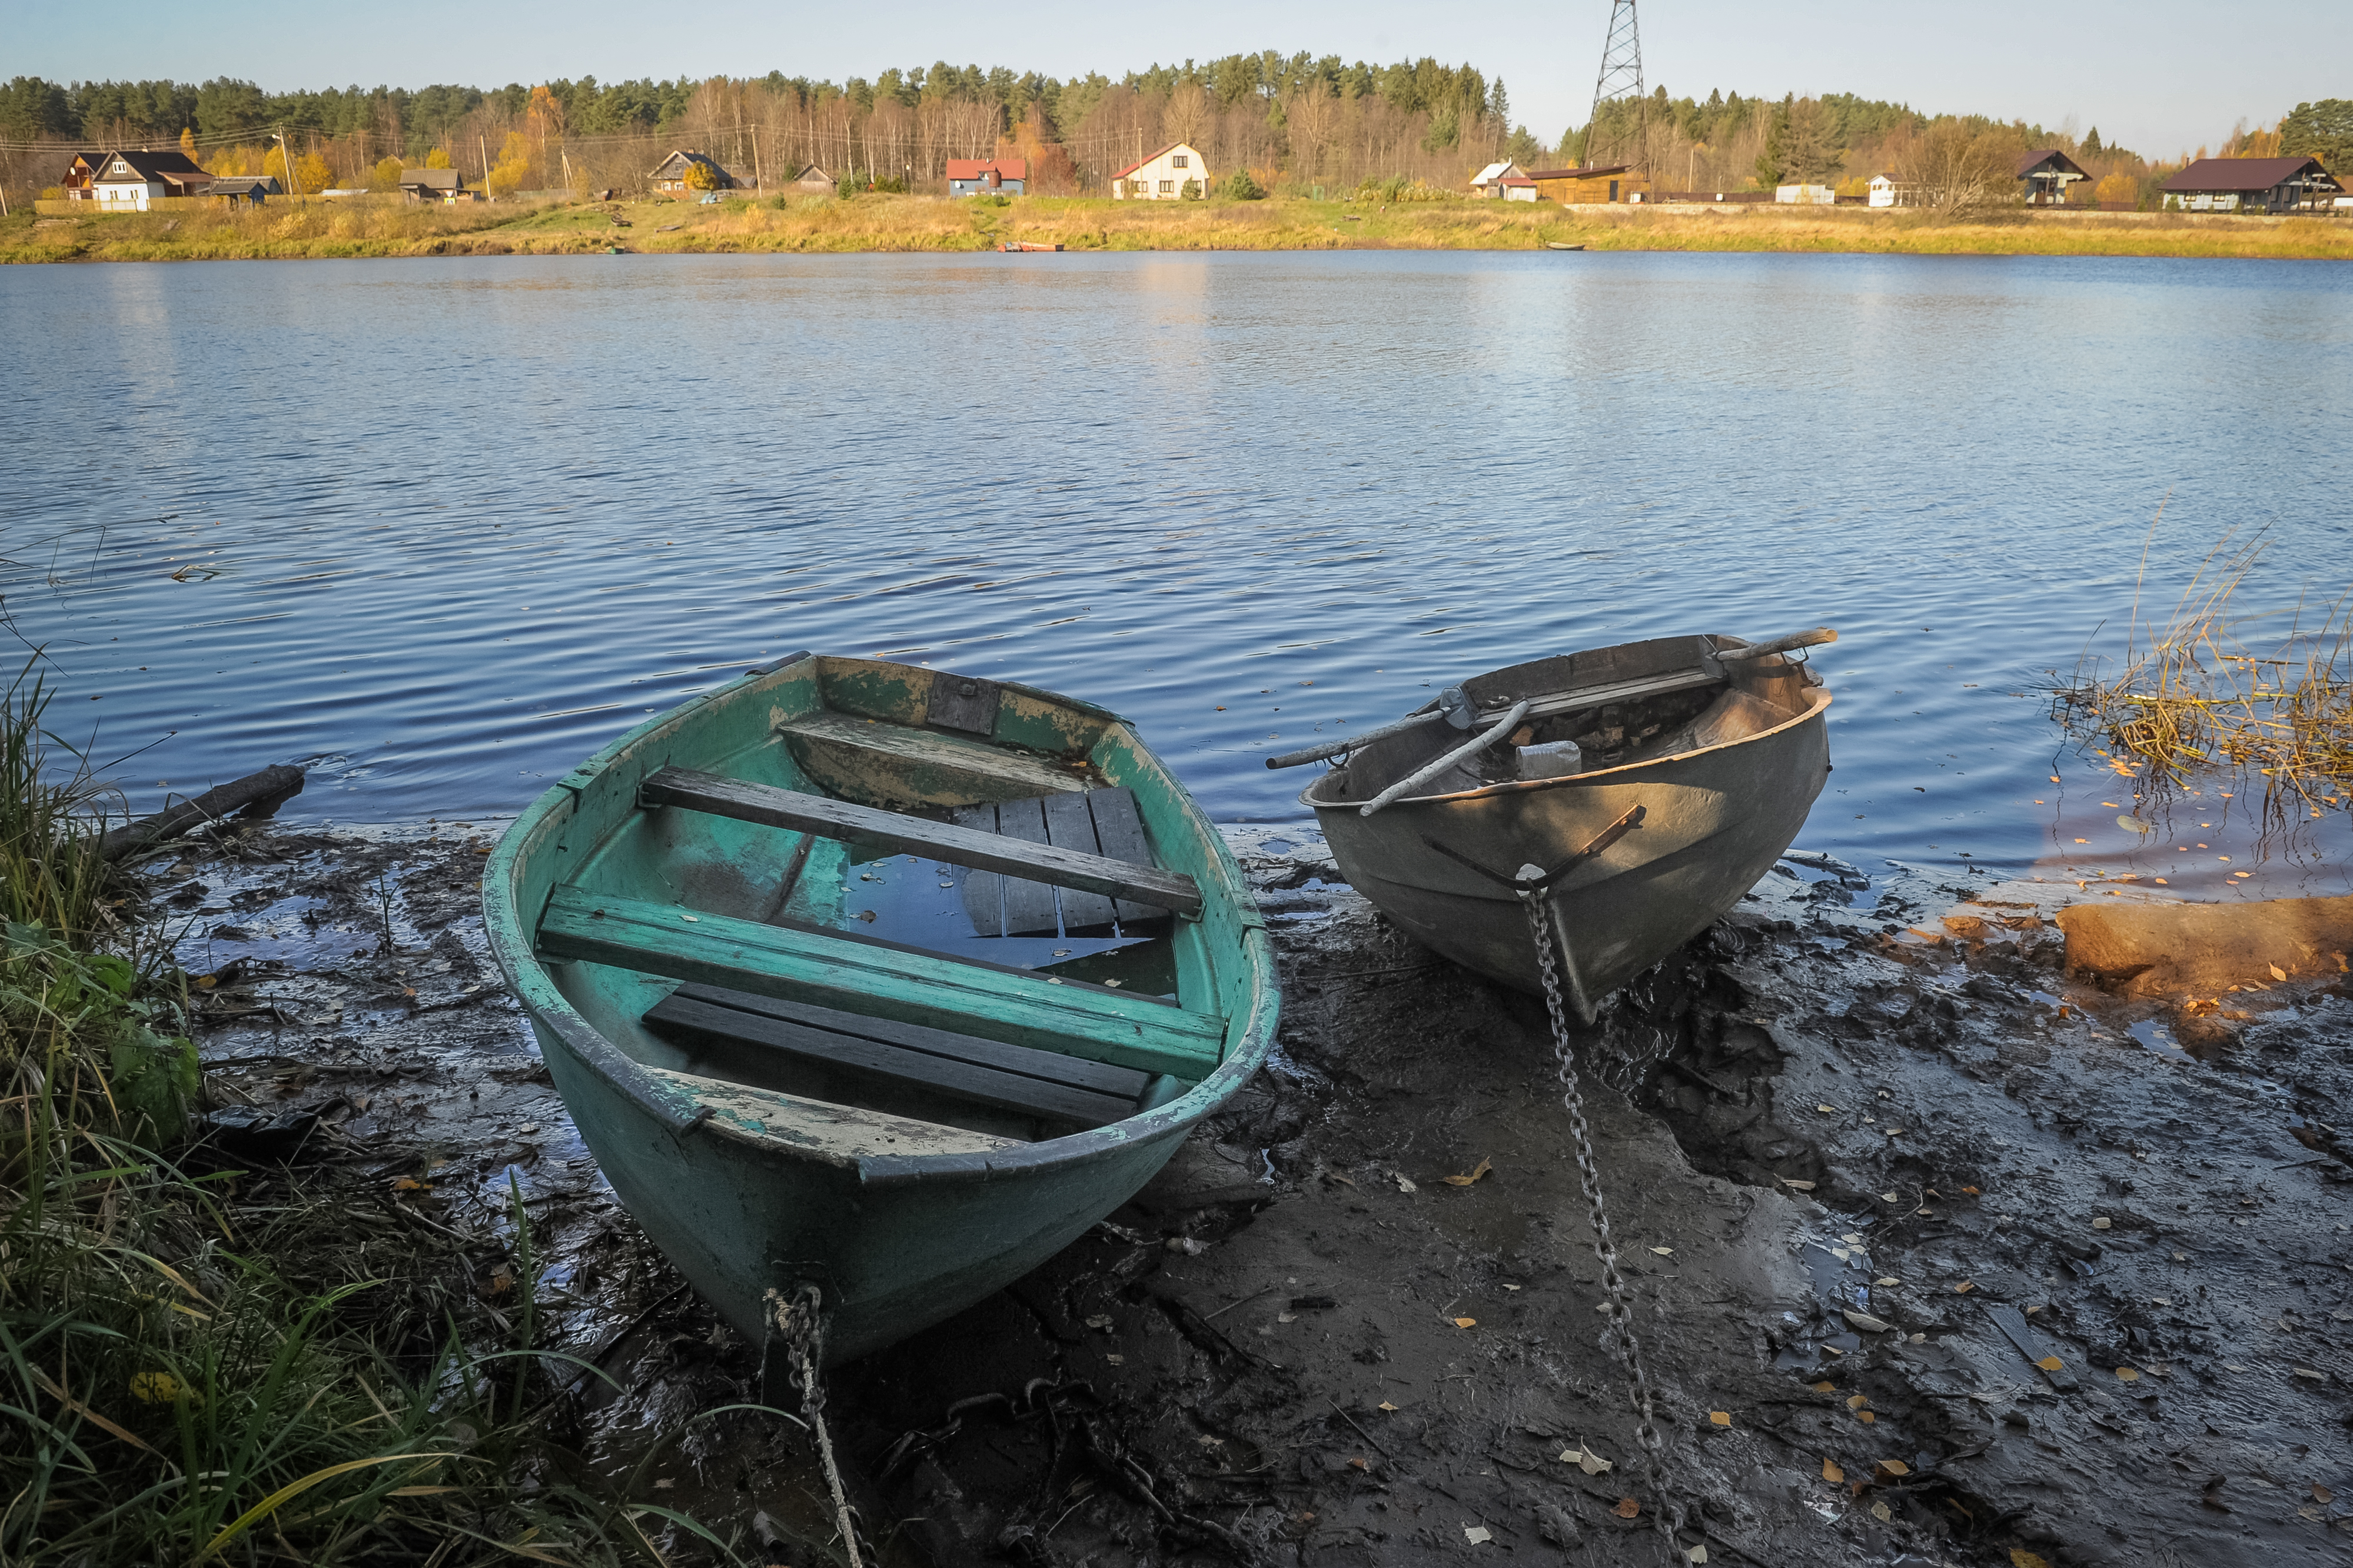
483 147
1619 81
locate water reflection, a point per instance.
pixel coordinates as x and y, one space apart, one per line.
451 524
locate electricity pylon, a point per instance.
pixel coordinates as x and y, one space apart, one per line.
1620 80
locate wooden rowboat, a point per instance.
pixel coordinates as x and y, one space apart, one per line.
889 981
1023 244
1562 244
1700 758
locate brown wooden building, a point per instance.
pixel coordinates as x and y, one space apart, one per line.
1603 183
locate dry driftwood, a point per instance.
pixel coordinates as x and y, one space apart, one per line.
258 793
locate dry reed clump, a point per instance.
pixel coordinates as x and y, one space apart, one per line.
2197 697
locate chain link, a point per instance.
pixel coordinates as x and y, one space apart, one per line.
1618 1338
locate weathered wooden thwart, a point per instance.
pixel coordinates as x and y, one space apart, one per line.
785 1100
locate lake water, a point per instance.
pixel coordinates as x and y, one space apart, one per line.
443 527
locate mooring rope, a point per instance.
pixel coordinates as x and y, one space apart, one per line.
801 1321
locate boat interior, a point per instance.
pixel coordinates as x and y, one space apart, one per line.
1587 713
917 909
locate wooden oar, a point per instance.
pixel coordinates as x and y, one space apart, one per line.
1414 781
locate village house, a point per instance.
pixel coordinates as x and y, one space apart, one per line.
670 176
80 176
987 176
244 190
1162 176
1604 183
813 178
1491 181
127 182
2047 173
1887 191
2252 186
447 187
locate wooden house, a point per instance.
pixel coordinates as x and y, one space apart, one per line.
1593 183
128 181
1162 176
244 190
1491 182
813 178
75 184
2047 173
1887 191
2253 186
447 187
987 176
670 176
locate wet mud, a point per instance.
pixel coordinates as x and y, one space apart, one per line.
1935 1255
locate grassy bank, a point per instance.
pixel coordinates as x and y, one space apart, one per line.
883 223
200 1363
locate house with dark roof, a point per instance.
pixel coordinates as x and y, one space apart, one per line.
82 175
2047 173
987 176
670 176
813 178
1591 182
2252 186
244 190
1162 176
128 181
445 185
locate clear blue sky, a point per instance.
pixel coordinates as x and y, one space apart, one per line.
2125 69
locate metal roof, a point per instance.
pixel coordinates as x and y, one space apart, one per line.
2249 175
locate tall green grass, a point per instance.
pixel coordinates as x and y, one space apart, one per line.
167 1396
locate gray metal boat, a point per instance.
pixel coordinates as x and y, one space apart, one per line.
1640 789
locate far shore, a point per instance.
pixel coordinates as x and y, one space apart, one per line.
322 229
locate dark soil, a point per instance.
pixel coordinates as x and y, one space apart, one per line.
1841 1138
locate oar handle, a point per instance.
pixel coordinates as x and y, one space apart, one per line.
1779 645
1412 782
1333 748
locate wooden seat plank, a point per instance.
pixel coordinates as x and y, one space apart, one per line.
1069 826
1027 856
1119 1082
842 1130
689 1021
1119 831
879 982
1028 906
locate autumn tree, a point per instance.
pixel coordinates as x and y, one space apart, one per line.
437 159
1956 170
386 175
701 176
188 143
312 175
513 171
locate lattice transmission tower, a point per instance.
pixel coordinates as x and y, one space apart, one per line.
1624 138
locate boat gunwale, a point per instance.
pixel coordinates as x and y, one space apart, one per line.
511 945
1815 708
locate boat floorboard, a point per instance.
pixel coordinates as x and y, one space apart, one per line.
874 759
844 1131
852 1051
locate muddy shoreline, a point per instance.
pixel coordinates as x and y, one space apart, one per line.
1817 1124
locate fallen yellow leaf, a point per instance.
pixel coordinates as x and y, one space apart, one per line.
2127 1375
1720 1417
1964 1287
1627 1508
1832 1473
1466 1323
1866 1417
1857 1401
1894 1467
1385 1405
155 1387
2019 1557
2278 973
1482 1168
2051 1364
1826 1388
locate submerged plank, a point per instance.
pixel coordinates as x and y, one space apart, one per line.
873 981
1119 829
983 891
1030 853
1071 826
1028 905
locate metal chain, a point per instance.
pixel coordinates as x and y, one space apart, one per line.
1618 1337
801 1321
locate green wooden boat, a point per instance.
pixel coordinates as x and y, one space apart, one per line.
888 980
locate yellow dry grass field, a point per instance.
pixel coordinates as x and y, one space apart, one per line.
887 222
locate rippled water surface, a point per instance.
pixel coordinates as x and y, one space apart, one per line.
445 526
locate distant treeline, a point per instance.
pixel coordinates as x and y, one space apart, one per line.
1296 123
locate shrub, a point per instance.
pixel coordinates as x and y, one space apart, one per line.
1190 190
1240 187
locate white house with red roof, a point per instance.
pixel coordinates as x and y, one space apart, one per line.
1162 176
987 176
